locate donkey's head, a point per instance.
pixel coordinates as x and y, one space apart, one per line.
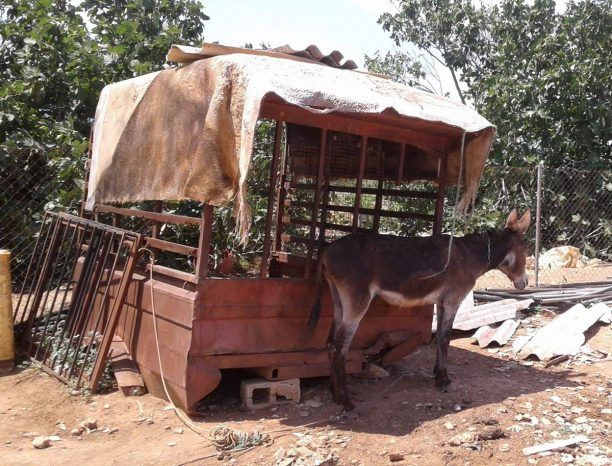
515 249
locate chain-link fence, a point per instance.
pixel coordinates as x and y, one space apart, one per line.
573 231
571 226
30 185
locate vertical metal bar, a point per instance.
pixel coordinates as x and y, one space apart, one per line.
77 308
38 259
32 259
70 278
204 241
82 289
80 323
107 338
87 172
278 133
441 194
121 244
362 160
400 171
60 280
317 200
538 217
42 279
101 307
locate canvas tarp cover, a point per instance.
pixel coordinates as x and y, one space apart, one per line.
187 133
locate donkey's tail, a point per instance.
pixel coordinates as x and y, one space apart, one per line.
316 307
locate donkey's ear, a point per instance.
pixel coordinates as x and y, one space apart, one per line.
523 224
512 219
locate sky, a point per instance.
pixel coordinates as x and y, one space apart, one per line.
349 26
345 25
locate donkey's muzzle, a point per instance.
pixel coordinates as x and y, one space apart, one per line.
521 283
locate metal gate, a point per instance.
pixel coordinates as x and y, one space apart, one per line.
68 308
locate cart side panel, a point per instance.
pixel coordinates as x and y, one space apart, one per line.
269 316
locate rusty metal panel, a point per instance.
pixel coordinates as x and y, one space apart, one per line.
500 334
68 320
261 316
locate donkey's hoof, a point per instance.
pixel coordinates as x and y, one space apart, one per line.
442 382
347 406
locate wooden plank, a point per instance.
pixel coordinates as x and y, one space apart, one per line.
400 171
385 192
208 212
157 208
278 132
155 216
440 195
392 131
317 201
171 247
362 160
173 273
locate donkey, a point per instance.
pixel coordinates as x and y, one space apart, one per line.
408 272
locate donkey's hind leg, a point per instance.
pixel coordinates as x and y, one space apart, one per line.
335 323
343 330
446 316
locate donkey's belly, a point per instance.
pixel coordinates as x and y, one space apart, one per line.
398 299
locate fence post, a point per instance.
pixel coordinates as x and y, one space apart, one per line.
538 214
7 344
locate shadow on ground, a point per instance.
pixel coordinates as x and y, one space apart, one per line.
401 403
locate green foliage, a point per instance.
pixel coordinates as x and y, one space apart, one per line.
137 34
402 67
543 78
52 69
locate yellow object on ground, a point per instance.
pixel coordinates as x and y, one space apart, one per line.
7 343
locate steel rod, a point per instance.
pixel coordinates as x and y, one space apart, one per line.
60 281
27 275
538 216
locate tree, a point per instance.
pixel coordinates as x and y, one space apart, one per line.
543 78
52 69
406 69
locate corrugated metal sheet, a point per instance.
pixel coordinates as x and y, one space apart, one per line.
565 334
500 334
312 54
490 313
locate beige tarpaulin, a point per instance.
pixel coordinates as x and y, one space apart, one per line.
187 133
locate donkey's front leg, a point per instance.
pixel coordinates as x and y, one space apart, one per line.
446 316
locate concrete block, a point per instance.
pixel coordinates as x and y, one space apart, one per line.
261 393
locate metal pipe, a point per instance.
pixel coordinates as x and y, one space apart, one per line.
538 212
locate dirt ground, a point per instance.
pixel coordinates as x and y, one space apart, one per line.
401 417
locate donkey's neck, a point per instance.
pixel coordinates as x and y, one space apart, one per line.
488 249
481 250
